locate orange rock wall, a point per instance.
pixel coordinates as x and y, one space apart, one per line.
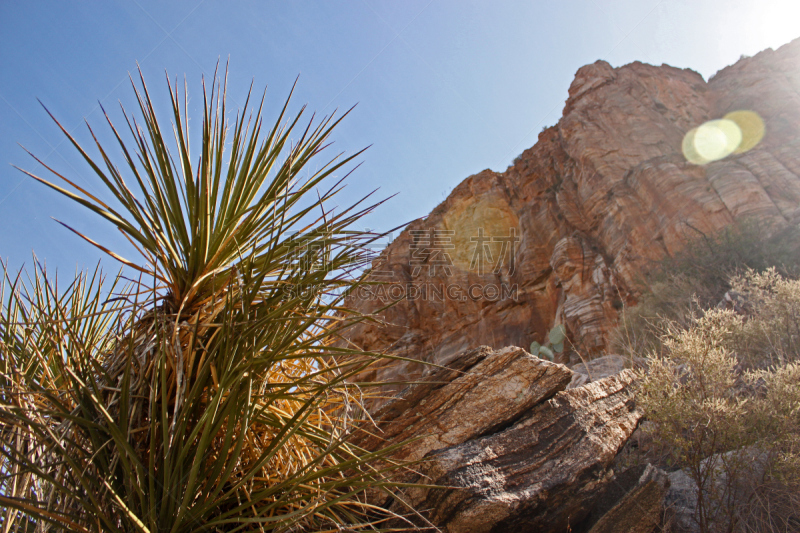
601 195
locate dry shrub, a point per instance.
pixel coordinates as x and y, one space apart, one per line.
771 335
724 395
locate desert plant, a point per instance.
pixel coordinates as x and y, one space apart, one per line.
709 262
771 335
686 394
735 431
554 345
206 393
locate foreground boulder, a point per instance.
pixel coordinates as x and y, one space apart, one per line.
483 391
543 473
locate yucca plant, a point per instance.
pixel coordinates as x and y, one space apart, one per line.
206 392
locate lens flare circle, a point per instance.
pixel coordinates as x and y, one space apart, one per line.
717 139
735 133
752 127
689 151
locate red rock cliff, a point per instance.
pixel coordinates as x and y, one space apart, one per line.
563 234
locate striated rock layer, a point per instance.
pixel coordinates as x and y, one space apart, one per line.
483 391
544 473
563 235
496 444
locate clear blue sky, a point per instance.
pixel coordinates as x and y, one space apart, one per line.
445 88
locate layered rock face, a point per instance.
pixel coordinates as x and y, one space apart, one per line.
508 449
564 234
544 473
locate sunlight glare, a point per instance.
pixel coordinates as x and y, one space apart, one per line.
717 139
751 126
689 151
736 133
776 22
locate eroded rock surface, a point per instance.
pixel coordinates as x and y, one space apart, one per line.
568 229
596 369
541 474
561 237
487 390
640 508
